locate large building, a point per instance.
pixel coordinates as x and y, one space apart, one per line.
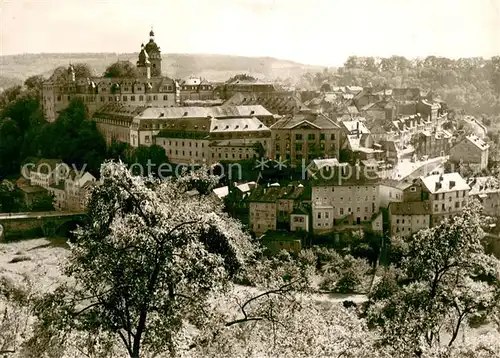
149 89
471 150
344 196
305 136
190 134
447 195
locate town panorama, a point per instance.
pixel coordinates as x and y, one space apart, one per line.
353 212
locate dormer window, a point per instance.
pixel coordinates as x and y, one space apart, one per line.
215 128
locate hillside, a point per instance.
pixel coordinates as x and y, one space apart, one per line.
16 68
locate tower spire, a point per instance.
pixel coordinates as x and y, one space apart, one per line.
151 33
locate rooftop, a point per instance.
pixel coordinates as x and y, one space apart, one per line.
314 120
411 208
443 183
344 175
478 142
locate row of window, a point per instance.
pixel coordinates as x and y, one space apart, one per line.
459 193
226 155
310 136
443 207
325 215
117 98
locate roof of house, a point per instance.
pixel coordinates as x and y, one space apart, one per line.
32 189
221 192
276 102
246 124
410 208
353 126
478 142
317 120
273 193
441 183
483 185
204 112
344 175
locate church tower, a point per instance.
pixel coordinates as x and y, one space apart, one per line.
154 54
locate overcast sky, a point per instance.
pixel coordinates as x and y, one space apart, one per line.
322 32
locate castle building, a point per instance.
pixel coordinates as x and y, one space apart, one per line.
150 88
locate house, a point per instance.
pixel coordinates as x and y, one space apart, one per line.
405 219
299 219
428 110
277 241
390 191
432 144
447 194
357 139
304 137
487 191
365 97
76 191
195 88
347 195
471 150
379 110
45 172
271 207
317 164
31 193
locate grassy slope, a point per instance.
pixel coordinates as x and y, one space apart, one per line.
212 67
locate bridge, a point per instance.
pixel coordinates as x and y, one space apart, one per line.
39 224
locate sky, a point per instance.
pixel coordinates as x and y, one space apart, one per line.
318 32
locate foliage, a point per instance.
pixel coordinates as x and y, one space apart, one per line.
348 276
306 329
445 279
35 83
151 256
11 199
74 139
43 202
241 77
121 69
149 160
471 84
82 70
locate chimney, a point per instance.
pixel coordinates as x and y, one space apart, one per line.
452 184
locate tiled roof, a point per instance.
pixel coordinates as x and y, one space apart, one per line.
444 182
248 124
317 120
410 208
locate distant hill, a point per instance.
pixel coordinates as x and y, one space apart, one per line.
16 68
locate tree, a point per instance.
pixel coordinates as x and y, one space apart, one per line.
43 203
10 146
241 77
151 256
35 83
149 158
82 70
121 69
446 279
11 199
